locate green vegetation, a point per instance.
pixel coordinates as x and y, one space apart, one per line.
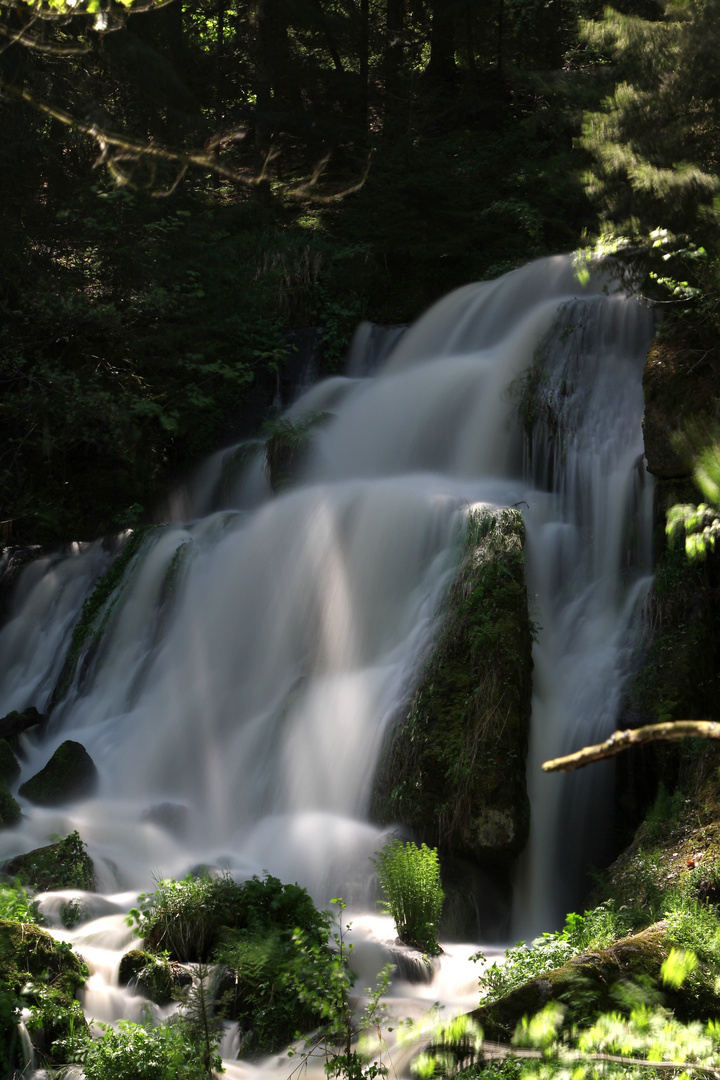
96 611
64 864
454 769
410 878
144 1052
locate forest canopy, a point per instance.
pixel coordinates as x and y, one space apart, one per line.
187 185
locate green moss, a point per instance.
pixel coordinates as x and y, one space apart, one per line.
601 980
43 976
155 977
287 445
90 625
454 767
62 865
680 678
70 774
9 764
10 812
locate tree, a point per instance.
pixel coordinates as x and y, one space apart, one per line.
655 170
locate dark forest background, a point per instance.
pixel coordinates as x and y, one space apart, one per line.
183 186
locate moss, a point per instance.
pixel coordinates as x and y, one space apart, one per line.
45 976
62 865
9 764
454 767
69 774
599 981
680 678
10 812
287 445
155 977
90 626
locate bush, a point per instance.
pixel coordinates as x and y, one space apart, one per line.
141 1052
188 918
410 879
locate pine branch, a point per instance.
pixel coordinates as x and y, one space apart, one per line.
622 740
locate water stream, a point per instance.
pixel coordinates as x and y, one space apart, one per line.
260 645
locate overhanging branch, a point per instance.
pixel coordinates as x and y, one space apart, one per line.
622 740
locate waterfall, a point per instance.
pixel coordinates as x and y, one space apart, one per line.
256 651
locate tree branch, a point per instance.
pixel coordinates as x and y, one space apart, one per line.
118 150
622 740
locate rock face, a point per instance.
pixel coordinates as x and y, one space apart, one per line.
453 769
10 812
70 774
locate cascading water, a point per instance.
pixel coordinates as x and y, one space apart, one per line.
251 659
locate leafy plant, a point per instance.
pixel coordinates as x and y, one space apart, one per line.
15 904
596 928
410 879
144 1052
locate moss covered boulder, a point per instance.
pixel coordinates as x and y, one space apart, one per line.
599 981
10 811
453 769
9 764
70 774
42 976
63 865
155 977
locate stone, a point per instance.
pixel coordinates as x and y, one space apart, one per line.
453 768
62 865
10 812
9 764
70 774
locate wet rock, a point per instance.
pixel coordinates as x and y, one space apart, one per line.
10 812
172 817
63 865
16 722
70 774
413 965
159 980
9 764
453 769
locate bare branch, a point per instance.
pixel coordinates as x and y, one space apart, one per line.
33 42
622 740
116 149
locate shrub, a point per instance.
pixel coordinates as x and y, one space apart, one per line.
410 879
142 1052
188 918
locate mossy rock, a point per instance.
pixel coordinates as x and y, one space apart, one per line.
158 979
14 723
598 981
453 768
10 812
63 865
70 774
287 445
45 975
9 764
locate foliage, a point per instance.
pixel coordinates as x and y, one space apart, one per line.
64 864
410 878
16 905
145 1052
699 526
595 928
185 918
452 1046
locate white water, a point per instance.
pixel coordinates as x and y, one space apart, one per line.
254 689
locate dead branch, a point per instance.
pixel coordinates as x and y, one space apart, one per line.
622 740
117 150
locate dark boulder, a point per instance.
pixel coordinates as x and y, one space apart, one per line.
70 774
